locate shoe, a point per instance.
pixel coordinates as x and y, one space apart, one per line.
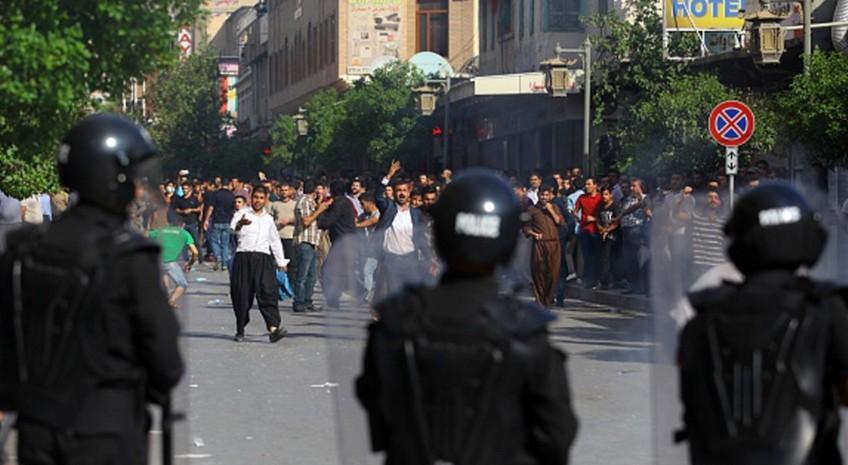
313 308
277 334
559 303
571 277
215 267
299 309
238 337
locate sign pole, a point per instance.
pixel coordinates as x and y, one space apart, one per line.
731 168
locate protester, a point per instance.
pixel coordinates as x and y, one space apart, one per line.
220 206
282 210
636 211
174 240
608 217
543 228
400 236
258 255
306 238
588 206
337 272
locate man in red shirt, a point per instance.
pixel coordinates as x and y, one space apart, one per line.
587 208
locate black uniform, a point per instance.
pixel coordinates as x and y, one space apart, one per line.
137 357
462 374
760 364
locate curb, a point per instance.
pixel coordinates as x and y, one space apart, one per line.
610 298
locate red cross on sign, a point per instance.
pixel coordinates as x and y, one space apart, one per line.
731 123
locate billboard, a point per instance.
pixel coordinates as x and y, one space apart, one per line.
691 15
375 34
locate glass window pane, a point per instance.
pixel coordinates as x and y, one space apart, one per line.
422 33
432 4
439 34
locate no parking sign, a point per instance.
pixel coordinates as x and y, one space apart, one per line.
731 125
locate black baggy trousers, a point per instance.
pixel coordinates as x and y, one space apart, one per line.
254 276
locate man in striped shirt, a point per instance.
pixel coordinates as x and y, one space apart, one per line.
306 239
708 235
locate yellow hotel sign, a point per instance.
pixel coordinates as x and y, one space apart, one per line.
703 14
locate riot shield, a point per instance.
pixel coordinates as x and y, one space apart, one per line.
355 270
151 213
687 254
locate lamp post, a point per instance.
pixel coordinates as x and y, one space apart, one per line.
302 127
427 106
558 81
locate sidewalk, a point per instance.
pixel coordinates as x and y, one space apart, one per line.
612 298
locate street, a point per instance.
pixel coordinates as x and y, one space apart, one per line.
258 403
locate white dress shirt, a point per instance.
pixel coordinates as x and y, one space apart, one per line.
398 238
259 236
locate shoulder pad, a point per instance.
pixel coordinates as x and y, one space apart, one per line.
520 318
709 298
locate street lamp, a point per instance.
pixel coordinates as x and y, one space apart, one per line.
558 82
301 123
426 100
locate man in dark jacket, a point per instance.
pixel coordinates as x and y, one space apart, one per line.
400 239
461 373
79 378
337 272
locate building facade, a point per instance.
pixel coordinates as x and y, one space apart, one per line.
320 44
519 128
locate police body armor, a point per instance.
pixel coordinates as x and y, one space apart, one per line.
450 384
754 378
58 358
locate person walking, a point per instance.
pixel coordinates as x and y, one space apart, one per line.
461 373
98 340
258 255
543 228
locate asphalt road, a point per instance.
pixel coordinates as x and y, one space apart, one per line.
291 403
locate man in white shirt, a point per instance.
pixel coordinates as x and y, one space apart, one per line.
258 255
401 232
535 184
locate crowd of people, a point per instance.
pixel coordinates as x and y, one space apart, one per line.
370 235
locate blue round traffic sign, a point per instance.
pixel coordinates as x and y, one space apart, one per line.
732 123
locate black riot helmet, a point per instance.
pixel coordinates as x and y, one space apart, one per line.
102 156
477 219
774 227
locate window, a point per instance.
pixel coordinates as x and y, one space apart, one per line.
310 61
562 15
533 16
521 20
505 27
484 21
603 6
333 32
432 30
286 63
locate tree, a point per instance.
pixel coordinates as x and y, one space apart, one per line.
54 54
373 122
186 102
669 133
816 108
657 109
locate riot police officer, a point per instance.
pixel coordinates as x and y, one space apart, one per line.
764 363
460 373
86 334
